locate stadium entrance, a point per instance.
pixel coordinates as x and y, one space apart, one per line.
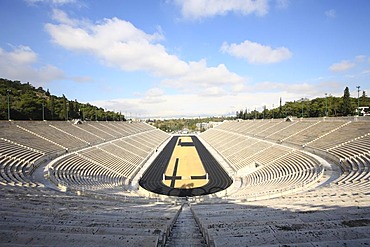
185 168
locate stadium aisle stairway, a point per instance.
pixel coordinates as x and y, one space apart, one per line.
185 231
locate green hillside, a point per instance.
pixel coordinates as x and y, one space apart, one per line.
22 101
319 107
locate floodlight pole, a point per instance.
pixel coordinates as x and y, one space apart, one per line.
326 105
67 109
43 111
8 99
302 107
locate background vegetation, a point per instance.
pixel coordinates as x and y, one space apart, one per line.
180 124
29 103
319 107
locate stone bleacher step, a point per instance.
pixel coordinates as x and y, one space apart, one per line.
42 137
185 232
327 133
11 238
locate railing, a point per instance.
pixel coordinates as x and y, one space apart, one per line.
164 235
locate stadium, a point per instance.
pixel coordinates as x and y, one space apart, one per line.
173 123
268 182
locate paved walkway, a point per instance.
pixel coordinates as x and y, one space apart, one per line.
185 231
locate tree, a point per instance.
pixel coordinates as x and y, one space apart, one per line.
52 107
346 104
65 110
363 98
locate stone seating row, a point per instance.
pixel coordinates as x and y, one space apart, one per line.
29 142
17 163
353 148
108 160
317 133
80 131
347 140
53 137
111 163
129 145
355 169
16 151
14 172
11 132
48 218
288 173
272 168
279 222
75 172
124 153
242 151
345 132
314 132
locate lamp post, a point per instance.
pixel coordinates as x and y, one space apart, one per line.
326 105
43 110
302 107
358 100
8 99
67 109
272 111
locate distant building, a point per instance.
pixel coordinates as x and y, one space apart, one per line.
205 126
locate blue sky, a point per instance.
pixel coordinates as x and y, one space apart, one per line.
171 58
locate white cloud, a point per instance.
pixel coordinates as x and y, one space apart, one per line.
118 43
153 96
192 105
21 55
214 102
62 17
197 9
256 53
200 78
21 64
52 2
342 66
305 89
331 13
360 58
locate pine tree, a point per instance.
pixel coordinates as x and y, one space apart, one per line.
346 105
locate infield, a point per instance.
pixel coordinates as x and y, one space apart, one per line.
185 169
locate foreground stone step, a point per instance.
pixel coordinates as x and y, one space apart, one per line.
8 238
